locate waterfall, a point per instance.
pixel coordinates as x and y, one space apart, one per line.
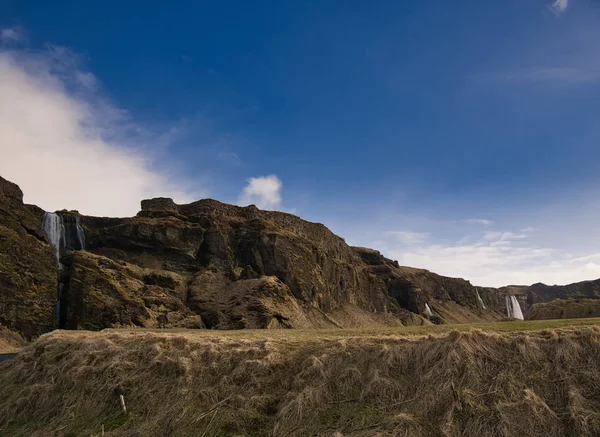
479 299
513 309
55 231
61 236
428 310
54 227
80 233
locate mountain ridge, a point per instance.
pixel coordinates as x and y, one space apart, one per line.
208 264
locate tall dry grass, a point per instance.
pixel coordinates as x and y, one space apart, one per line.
10 341
460 384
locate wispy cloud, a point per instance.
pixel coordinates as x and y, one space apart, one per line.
12 35
229 158
409 238
561 74
482 222
263 191
502 236
490 258
559 6
543 75
68 146
503 260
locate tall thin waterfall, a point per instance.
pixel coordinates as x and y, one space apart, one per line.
54 227
80 233
479 299
60 239
55 231
513 309
428 310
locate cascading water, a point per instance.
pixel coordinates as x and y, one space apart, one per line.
54 227
55 231
428 311
513 309
480 300
80 233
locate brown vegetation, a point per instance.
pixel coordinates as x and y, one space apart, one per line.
564 309
305 383
10 341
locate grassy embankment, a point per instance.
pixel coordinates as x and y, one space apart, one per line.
536 378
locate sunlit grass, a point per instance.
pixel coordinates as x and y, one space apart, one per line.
306 334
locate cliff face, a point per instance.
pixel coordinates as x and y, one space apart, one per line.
568 308
28 269
538 293
212 265
243 268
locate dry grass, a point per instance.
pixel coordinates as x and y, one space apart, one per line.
307 383
10 341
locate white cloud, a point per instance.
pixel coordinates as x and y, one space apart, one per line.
11 34
86 79
497 259
559 6
502 236
482 222
263 191
68 147
408 238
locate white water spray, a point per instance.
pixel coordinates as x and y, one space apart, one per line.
55 231
480 300
428 311
513 309
80 233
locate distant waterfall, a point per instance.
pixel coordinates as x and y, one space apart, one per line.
55 231
61 236
513 309
428 311
80 233
480 300
54 227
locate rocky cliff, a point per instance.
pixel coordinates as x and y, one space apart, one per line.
28 269
212 265
564 309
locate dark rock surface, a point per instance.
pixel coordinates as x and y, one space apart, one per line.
28 269
568 308
212 265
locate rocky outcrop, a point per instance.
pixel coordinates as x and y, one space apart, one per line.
539 292
212 265
530 296
28 269
452 300
564 309
246 268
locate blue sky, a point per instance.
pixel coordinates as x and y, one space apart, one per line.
462 137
